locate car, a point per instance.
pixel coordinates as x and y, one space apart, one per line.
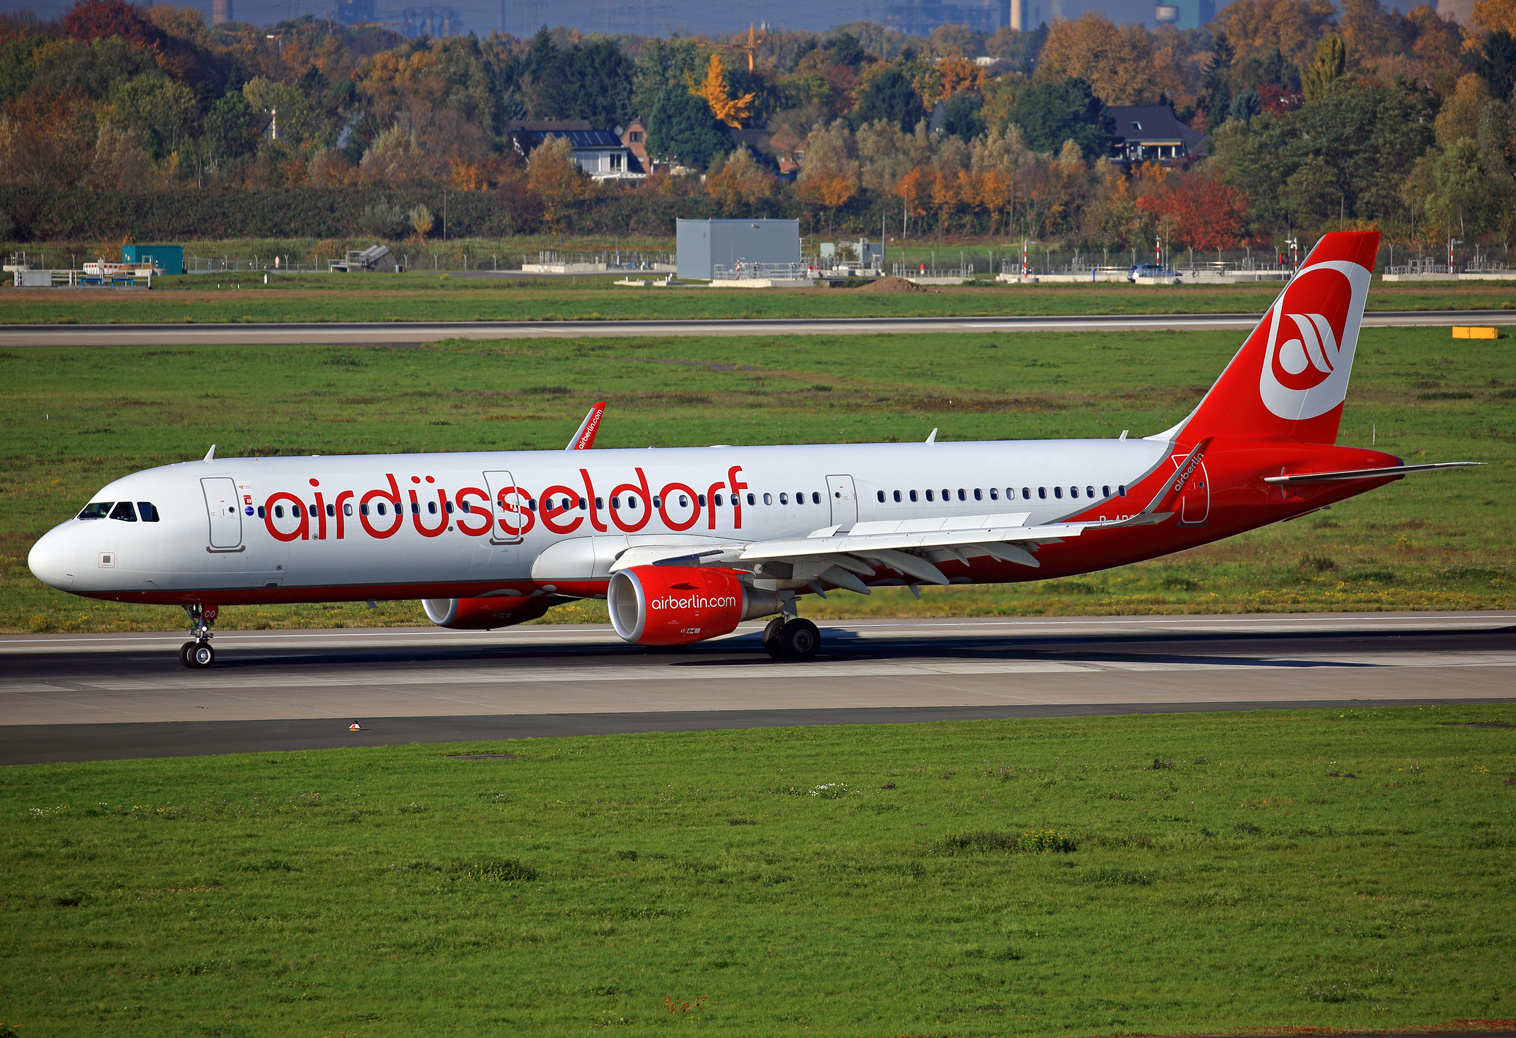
1149 270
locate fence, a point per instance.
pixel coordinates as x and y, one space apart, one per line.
774 271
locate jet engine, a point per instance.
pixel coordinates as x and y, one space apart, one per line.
676 605
484 614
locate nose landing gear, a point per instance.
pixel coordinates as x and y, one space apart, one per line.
198 654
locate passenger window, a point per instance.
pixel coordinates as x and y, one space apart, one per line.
347 509
784 499
125 512
96 510
1042 492
583 504
1058 492
700 500
961 495
978 494
331 510
880 495
531 505
751 500
261 513
1089 492
657 501
1121 491
768 499
897 497
1073 491
1026 493
718 500
616 502
946 496
631 503
381 508
994 494
929 495
415 508
1105 491
815 499
148 511
431 507
448 506
599 503
363 508
913 495
279 511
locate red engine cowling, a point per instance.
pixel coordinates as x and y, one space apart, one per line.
676 605
483 614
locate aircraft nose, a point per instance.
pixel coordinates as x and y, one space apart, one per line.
53 559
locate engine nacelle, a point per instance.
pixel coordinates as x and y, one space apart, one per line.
676 605
483 614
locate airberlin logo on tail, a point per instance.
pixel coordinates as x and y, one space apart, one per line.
1313 333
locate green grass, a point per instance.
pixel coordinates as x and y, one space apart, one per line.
1164 874
423 296
73 419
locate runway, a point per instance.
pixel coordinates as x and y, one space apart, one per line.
83 697
415 333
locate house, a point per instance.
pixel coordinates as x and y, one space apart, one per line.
634 136
600 153
1151 133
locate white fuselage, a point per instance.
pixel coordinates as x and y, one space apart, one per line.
326 528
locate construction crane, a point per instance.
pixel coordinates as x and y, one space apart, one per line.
751 46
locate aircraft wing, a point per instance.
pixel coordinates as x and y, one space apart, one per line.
841 555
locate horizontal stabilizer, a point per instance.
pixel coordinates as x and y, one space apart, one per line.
1380 473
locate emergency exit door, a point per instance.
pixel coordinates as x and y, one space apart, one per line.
507 502
223 512
844 498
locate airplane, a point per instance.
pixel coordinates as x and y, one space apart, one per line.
684 544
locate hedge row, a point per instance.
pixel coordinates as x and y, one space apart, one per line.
313 212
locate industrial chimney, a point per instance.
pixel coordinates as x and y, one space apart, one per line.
221 12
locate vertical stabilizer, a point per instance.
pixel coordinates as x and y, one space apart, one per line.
1290 378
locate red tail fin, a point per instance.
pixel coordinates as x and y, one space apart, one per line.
1290 378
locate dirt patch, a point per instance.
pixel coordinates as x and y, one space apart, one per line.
891 286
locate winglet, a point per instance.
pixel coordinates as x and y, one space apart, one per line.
210 455
584 439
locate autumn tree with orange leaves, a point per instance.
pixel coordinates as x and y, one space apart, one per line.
726 108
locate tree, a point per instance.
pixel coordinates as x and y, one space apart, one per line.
713 90
829 170
1292 27
681 126
422 221
1330 65
960 117
1495 15
889 97
1051 111
1204 212
229 127
1495 63
1118 63
739 180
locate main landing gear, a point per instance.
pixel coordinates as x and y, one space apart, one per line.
198 654
791 638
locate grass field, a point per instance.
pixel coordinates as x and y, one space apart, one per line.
1165 874
446 297
74 419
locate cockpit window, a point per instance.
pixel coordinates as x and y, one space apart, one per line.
148 511
96 510
124 511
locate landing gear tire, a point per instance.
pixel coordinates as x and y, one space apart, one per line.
771 638
201 655
184 653
799 640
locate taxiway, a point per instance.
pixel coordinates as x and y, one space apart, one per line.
413 333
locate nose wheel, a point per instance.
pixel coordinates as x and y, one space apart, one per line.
198 654
793 639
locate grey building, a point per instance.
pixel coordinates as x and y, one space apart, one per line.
756 246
